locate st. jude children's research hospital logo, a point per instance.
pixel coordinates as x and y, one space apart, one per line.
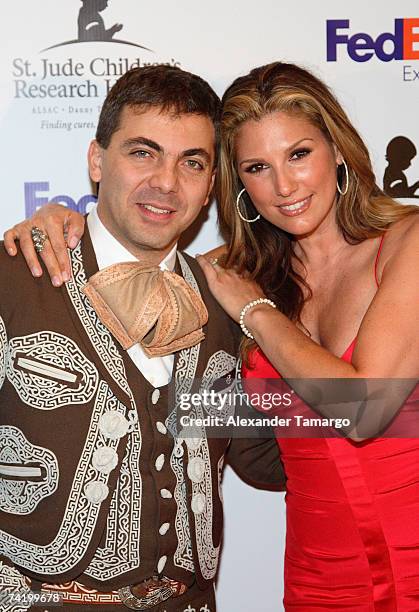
89 76
402 43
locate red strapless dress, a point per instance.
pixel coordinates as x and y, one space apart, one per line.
352 541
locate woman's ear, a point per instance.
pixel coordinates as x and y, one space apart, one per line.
338 155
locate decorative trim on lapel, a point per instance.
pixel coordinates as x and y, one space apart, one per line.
97 333
3 352
122 547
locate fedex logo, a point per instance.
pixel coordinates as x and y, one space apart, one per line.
401 44
35 196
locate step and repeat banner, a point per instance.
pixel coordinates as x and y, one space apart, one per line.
59 60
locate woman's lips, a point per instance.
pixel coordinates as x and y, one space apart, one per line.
295 208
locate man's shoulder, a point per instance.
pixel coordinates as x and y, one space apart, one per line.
15 276
10 263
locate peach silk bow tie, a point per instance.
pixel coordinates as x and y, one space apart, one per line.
156 308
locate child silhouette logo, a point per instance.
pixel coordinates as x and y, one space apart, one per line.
91 27
399 155
90 22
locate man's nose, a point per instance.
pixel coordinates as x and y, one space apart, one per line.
165 176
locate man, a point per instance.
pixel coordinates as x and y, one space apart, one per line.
98 502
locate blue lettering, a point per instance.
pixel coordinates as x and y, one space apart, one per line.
361 47
33 201
333 38
359 42
83 204
396 39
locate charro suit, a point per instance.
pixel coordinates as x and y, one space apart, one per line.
93 486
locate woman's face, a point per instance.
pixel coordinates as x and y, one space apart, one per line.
288 169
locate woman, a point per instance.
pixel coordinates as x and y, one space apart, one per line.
314 234
334 261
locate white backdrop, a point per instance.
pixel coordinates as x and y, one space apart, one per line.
48 112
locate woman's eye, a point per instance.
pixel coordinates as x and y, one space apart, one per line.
255 168
300 153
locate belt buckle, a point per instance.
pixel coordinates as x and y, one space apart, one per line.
148 593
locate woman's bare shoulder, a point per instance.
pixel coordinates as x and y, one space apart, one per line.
401 241
217 252
405 227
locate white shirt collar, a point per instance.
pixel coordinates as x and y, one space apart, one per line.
109 251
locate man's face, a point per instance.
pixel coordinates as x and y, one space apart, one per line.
155 176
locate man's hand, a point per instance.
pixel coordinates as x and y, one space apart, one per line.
64 228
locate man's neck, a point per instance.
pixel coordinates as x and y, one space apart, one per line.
109 250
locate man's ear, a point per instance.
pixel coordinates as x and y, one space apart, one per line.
95 158
210 188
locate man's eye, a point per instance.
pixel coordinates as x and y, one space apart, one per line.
300 153
141 153
194 164
255 168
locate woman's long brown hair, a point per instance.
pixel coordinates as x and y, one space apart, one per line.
263 250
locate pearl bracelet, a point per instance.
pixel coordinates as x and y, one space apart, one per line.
246 308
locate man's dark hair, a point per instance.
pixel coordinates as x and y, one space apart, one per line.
172 89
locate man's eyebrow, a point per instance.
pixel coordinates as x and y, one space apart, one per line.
140 140
199 151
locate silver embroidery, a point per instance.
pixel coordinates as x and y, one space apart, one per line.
3 352
69 546
12 583
220 476
185 373
122 546
99 336
121 552
19 496
220 364
50 353
187 364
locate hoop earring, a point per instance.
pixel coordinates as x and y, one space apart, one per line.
339 188
239 195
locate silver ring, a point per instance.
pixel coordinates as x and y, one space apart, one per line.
39 238
214 261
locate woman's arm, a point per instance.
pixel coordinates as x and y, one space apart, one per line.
64 228
388 339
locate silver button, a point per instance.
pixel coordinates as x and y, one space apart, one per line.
161 564
192 437
161 428
105 459
196 469
113 425
96 491
165 493
159 462
164 528
155 396
198 503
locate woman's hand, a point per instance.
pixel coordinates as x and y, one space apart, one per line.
64 228
230 289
